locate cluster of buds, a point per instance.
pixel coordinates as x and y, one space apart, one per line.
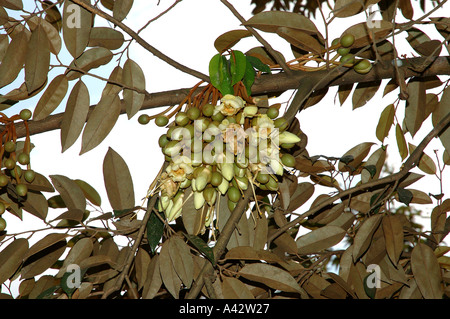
15 169
222 150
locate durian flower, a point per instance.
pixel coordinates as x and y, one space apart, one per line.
230 105
180 169
233 136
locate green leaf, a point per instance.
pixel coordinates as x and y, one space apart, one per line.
249 77
155 229
219 74
258 64
202 246
238 64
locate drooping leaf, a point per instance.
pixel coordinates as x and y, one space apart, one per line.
168 274
70 192
393 235
118 181
363 237
364 92
182 260
319 239
14 58
36 204
415 110
52 97
11 258
426 163
133 76
228 39
89 192
54 39
37 59
374 165
344 91
77 24
106 37
121 9
401 142
271 276
385 122
75 115
100 122
153 281
427 273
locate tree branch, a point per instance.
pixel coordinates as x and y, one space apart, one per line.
270 84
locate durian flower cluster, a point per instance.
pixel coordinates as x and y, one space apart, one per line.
221 150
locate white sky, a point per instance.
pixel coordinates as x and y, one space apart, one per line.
187 34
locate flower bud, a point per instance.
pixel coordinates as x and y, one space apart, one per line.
276 167
176 209
288 137
227 170
223 187
250 111
209 193
199 200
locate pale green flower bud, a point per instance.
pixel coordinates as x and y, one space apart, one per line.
199 200
288 137
223 187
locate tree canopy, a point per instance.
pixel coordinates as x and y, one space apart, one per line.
240 208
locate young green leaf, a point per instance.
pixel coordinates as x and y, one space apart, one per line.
155 230
238 65
202 246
